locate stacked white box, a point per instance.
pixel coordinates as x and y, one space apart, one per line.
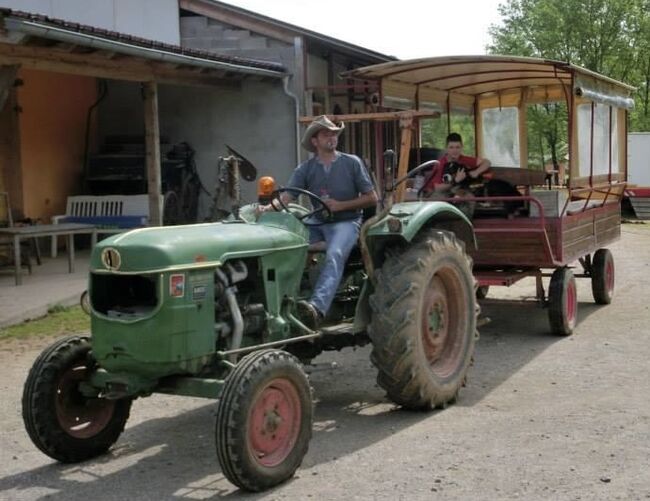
552 201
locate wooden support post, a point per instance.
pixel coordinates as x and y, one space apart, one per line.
406 124
152 145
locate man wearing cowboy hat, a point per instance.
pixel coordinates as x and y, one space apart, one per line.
342 182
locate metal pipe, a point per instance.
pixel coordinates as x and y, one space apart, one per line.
237 319
285 86
53 33
235 312
298 51
271 344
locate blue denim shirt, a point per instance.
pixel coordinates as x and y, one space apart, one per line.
345 179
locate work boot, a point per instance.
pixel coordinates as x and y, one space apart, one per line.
308 314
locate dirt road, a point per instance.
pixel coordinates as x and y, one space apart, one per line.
541 418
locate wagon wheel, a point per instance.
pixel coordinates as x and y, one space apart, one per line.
264 420
84 302
482 291
562 302
62 422
602 276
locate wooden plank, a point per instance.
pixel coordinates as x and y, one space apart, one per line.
97 65
379 116
519 176
11 175
516 249
404 151
152 142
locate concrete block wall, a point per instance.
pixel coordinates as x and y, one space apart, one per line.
199 32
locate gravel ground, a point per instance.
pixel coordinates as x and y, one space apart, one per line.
542 417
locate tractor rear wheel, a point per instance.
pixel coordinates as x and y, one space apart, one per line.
61 421
423 325
264 420
562 302
602 276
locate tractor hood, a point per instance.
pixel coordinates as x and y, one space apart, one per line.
193 246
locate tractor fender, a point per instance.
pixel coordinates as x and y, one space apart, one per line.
405 221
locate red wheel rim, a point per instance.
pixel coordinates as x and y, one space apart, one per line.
274 422
571 302
81 417
443 322
609 276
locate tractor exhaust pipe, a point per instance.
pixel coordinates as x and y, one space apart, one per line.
237 273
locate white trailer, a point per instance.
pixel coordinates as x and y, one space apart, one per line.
638 158
638 173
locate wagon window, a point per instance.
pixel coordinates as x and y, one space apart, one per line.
434 131
605 137
501 136
547 131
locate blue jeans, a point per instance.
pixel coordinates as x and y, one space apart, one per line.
340 238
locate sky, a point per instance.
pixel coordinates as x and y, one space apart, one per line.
405 29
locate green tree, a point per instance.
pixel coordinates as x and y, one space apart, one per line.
611 37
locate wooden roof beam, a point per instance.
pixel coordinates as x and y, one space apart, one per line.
96 65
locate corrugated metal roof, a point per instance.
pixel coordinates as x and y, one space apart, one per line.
134 41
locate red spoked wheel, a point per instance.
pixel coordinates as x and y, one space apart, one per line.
563 302
602 276
63 422
264 420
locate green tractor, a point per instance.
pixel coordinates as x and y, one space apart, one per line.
209 310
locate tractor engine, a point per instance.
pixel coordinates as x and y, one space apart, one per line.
238 304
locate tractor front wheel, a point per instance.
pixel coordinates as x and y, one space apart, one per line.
62 422
264 420
423 325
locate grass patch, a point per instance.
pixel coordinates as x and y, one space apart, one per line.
57 322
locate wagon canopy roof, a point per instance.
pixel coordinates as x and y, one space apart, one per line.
476 75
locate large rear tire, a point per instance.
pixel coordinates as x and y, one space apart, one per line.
423 326
60 420
602 276
562 302
264 420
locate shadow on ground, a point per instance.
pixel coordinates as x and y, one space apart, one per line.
174 457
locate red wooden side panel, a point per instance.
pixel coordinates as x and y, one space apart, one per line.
515 242
545 243
587 231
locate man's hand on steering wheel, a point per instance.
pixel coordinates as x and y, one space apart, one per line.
319 205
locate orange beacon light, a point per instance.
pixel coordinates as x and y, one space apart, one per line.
265 188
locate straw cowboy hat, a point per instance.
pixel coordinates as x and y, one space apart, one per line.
319 123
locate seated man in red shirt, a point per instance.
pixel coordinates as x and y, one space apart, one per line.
454 169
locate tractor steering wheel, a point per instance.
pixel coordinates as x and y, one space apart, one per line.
316 201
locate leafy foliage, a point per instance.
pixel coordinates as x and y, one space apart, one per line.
611 37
